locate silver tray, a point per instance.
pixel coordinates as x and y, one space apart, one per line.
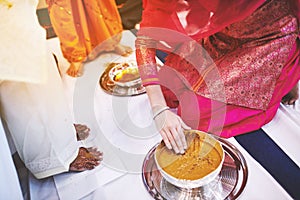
111 88
229 184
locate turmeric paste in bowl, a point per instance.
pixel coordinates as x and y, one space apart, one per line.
199 165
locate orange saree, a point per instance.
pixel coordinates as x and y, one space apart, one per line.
84 27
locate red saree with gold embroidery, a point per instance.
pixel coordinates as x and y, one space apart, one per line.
229 63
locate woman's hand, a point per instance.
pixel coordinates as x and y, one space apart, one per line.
171 129
169 124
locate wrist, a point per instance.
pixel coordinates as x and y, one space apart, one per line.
157 110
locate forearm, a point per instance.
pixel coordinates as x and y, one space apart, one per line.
155 96
145 54
146 61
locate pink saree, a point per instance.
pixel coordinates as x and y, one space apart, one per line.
229 69
228 120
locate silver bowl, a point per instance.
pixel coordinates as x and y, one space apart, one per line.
208 143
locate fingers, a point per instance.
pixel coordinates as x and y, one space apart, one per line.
291 97
82 131
94 152
171 140
288 100
174 137
174 140
166 139
82 128
182 137
292 102
87 159
183 125
172 131
178 138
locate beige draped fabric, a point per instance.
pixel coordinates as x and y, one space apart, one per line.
33 104
21 37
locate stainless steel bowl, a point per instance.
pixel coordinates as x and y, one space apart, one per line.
208 143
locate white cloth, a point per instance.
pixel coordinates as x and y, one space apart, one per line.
23 48
40 124
9 184
34 106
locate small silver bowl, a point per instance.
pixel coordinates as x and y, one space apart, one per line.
203 151
123 69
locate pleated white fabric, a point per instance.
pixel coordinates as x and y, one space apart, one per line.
33 103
